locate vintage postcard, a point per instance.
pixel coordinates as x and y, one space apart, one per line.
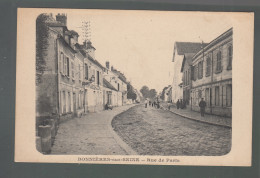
134 87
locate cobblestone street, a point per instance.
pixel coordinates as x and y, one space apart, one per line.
151 131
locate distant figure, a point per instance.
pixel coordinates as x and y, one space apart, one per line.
145 103
158 104
181 104
178 104
149 103
202 106
184 104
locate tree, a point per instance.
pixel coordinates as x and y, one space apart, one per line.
41 45
145 92
152 93
130 92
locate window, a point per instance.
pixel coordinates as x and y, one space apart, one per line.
188 76
69 102
195 72
208 69
230 57
200 70
68 66
79 101
61 62
98 77
199 93
217 95
229 95
118 87
79 72
65 66
219 66
86 71
64 102
72 70
184 78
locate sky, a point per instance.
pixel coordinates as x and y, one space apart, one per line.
140 43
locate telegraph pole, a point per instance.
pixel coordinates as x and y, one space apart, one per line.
86 30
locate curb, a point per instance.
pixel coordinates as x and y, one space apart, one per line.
211 123
118 139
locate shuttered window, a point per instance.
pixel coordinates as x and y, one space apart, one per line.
230 57
219 62
61 62
208 69
86 71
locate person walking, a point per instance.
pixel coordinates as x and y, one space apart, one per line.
202 106
146 103
178 104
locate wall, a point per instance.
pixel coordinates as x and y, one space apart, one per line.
177 77
46 91
207 85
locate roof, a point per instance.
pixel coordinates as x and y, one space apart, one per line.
187 58
66 44
188 47
78 46
85 54
74 32
90 46
108 85
221 37
120 75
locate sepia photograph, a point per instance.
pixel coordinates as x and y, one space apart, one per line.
137 87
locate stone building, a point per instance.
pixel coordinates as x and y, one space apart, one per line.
186 77
58 93
212 75
93 79
118 81
180 50
121 85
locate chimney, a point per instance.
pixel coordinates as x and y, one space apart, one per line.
107 64
62 18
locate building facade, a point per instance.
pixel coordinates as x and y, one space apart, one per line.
180 50
73 82
186 77
212 76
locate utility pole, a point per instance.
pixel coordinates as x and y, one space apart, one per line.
86 30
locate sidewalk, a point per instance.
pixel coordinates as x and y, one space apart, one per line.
92 134
211 119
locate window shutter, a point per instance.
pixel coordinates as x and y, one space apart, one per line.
61 61
202 63
192 72
65 66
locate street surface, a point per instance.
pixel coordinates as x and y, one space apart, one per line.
151 131
92 134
